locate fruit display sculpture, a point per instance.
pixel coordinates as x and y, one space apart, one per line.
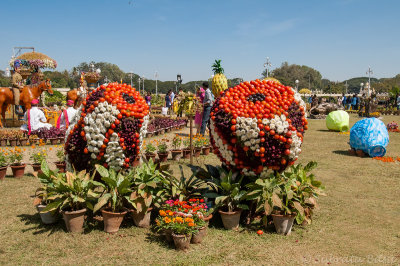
219 81
371 136
338 121
108 128
258 125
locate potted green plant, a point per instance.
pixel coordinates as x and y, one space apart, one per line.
21 138
198 145
150 151
60 164
186 148
72 194
3 137
228 194
115 197
176 151
3 164
162 150
206 146
38 156
43 193
147 191
15 160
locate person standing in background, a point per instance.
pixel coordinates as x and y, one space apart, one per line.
147 98
343 101
207 103
354 102
199 111
398 102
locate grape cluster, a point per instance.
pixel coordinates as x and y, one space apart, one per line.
296 116
74 148
94 96
128 131
256 97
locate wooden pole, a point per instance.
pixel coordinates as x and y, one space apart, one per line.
190 136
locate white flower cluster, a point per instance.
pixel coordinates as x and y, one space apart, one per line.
96 125
114 153
223 149
278 123
295 146
297 97
143 129
248 132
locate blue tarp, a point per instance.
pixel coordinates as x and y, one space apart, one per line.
371 136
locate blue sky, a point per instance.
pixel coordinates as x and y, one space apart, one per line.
340 38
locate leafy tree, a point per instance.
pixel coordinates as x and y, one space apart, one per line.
288 74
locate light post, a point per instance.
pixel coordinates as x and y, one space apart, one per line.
297 84
178 80
156 76
131 76
139 83
346 86
361 88
267 64
309 82
143 85
369 72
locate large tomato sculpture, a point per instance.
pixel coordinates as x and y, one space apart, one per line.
258 125
108 129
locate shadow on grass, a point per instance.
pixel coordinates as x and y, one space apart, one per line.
160 240
346 152
326 130
37 226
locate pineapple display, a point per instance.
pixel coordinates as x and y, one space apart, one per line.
219 81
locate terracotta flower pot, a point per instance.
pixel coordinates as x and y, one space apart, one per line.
176 154
182 242
47 217
163 156
74 220
151 156
197 238
61 140
53 141
3 142
112 220
142 219
207 219
162 131
61 166
18 170
230 219
136 162
23 142
186 153
206 150
13 142
149 135
3 171
283 223
197 151
36 167
168 236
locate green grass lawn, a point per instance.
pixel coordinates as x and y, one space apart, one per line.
358 220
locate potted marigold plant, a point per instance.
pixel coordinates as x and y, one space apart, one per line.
162 150
13 137
180 224
176 148
114 197
198 144
150 151
60 164
3 164
206 145
37 157
3 137
186 148
15 160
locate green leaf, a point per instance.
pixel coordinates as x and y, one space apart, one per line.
53 206
276 201
267 208
102 170
102 201
298 207
45 168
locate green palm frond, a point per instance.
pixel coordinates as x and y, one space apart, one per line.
217 68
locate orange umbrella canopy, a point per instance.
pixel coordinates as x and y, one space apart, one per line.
34 59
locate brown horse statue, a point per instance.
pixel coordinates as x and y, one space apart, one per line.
77 96
28 93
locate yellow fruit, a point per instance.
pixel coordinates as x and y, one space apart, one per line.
219 83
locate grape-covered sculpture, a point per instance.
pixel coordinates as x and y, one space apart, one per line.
371 136
108 128
258 125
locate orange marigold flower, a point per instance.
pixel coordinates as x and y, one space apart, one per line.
162 213
191 224
179 219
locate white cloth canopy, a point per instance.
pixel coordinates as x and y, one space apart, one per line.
38 119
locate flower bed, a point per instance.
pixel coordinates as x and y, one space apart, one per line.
258 125
108 129
158 124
